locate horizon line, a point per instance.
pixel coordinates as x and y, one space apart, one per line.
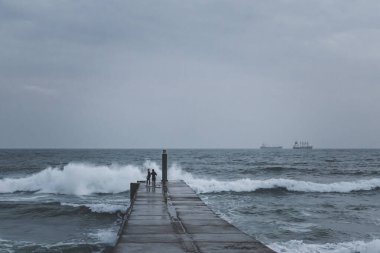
171 148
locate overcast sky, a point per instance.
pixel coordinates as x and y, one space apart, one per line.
189 74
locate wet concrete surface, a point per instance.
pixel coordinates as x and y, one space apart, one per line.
177 221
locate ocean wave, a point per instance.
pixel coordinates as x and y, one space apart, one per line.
105 236
296 246
273 169
100 208
250 185
77 179
85 179
10 246
53 209
201 185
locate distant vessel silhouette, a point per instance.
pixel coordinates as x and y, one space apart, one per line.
302 145
264 146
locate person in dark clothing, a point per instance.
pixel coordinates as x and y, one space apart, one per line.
148 177
154 174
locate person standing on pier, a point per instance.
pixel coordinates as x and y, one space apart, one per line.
148 177
154 174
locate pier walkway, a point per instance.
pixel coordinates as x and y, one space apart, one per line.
176 221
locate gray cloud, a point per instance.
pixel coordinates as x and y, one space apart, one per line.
189 74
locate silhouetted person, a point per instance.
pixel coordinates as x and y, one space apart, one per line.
148 177
154 174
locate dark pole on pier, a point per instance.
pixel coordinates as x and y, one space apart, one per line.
164 167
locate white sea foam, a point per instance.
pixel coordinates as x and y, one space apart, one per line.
105 235
202 185
84 179
102 235
76 178
296 246
6 246
100 208
249 185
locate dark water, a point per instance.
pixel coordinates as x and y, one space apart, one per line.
292 200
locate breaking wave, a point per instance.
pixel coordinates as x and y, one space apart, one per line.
296 246
76 179
201 185
85 179
249 185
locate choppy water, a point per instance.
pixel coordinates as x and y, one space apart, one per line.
291 200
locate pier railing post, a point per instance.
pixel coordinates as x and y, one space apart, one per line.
164 167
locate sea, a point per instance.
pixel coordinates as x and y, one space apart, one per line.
294 201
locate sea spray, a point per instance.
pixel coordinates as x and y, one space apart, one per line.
76 179
105 236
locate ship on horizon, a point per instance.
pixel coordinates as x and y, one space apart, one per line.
302 145
264 146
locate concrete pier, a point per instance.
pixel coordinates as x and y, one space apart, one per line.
175 220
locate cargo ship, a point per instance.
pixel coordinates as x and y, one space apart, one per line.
270 147
302 145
